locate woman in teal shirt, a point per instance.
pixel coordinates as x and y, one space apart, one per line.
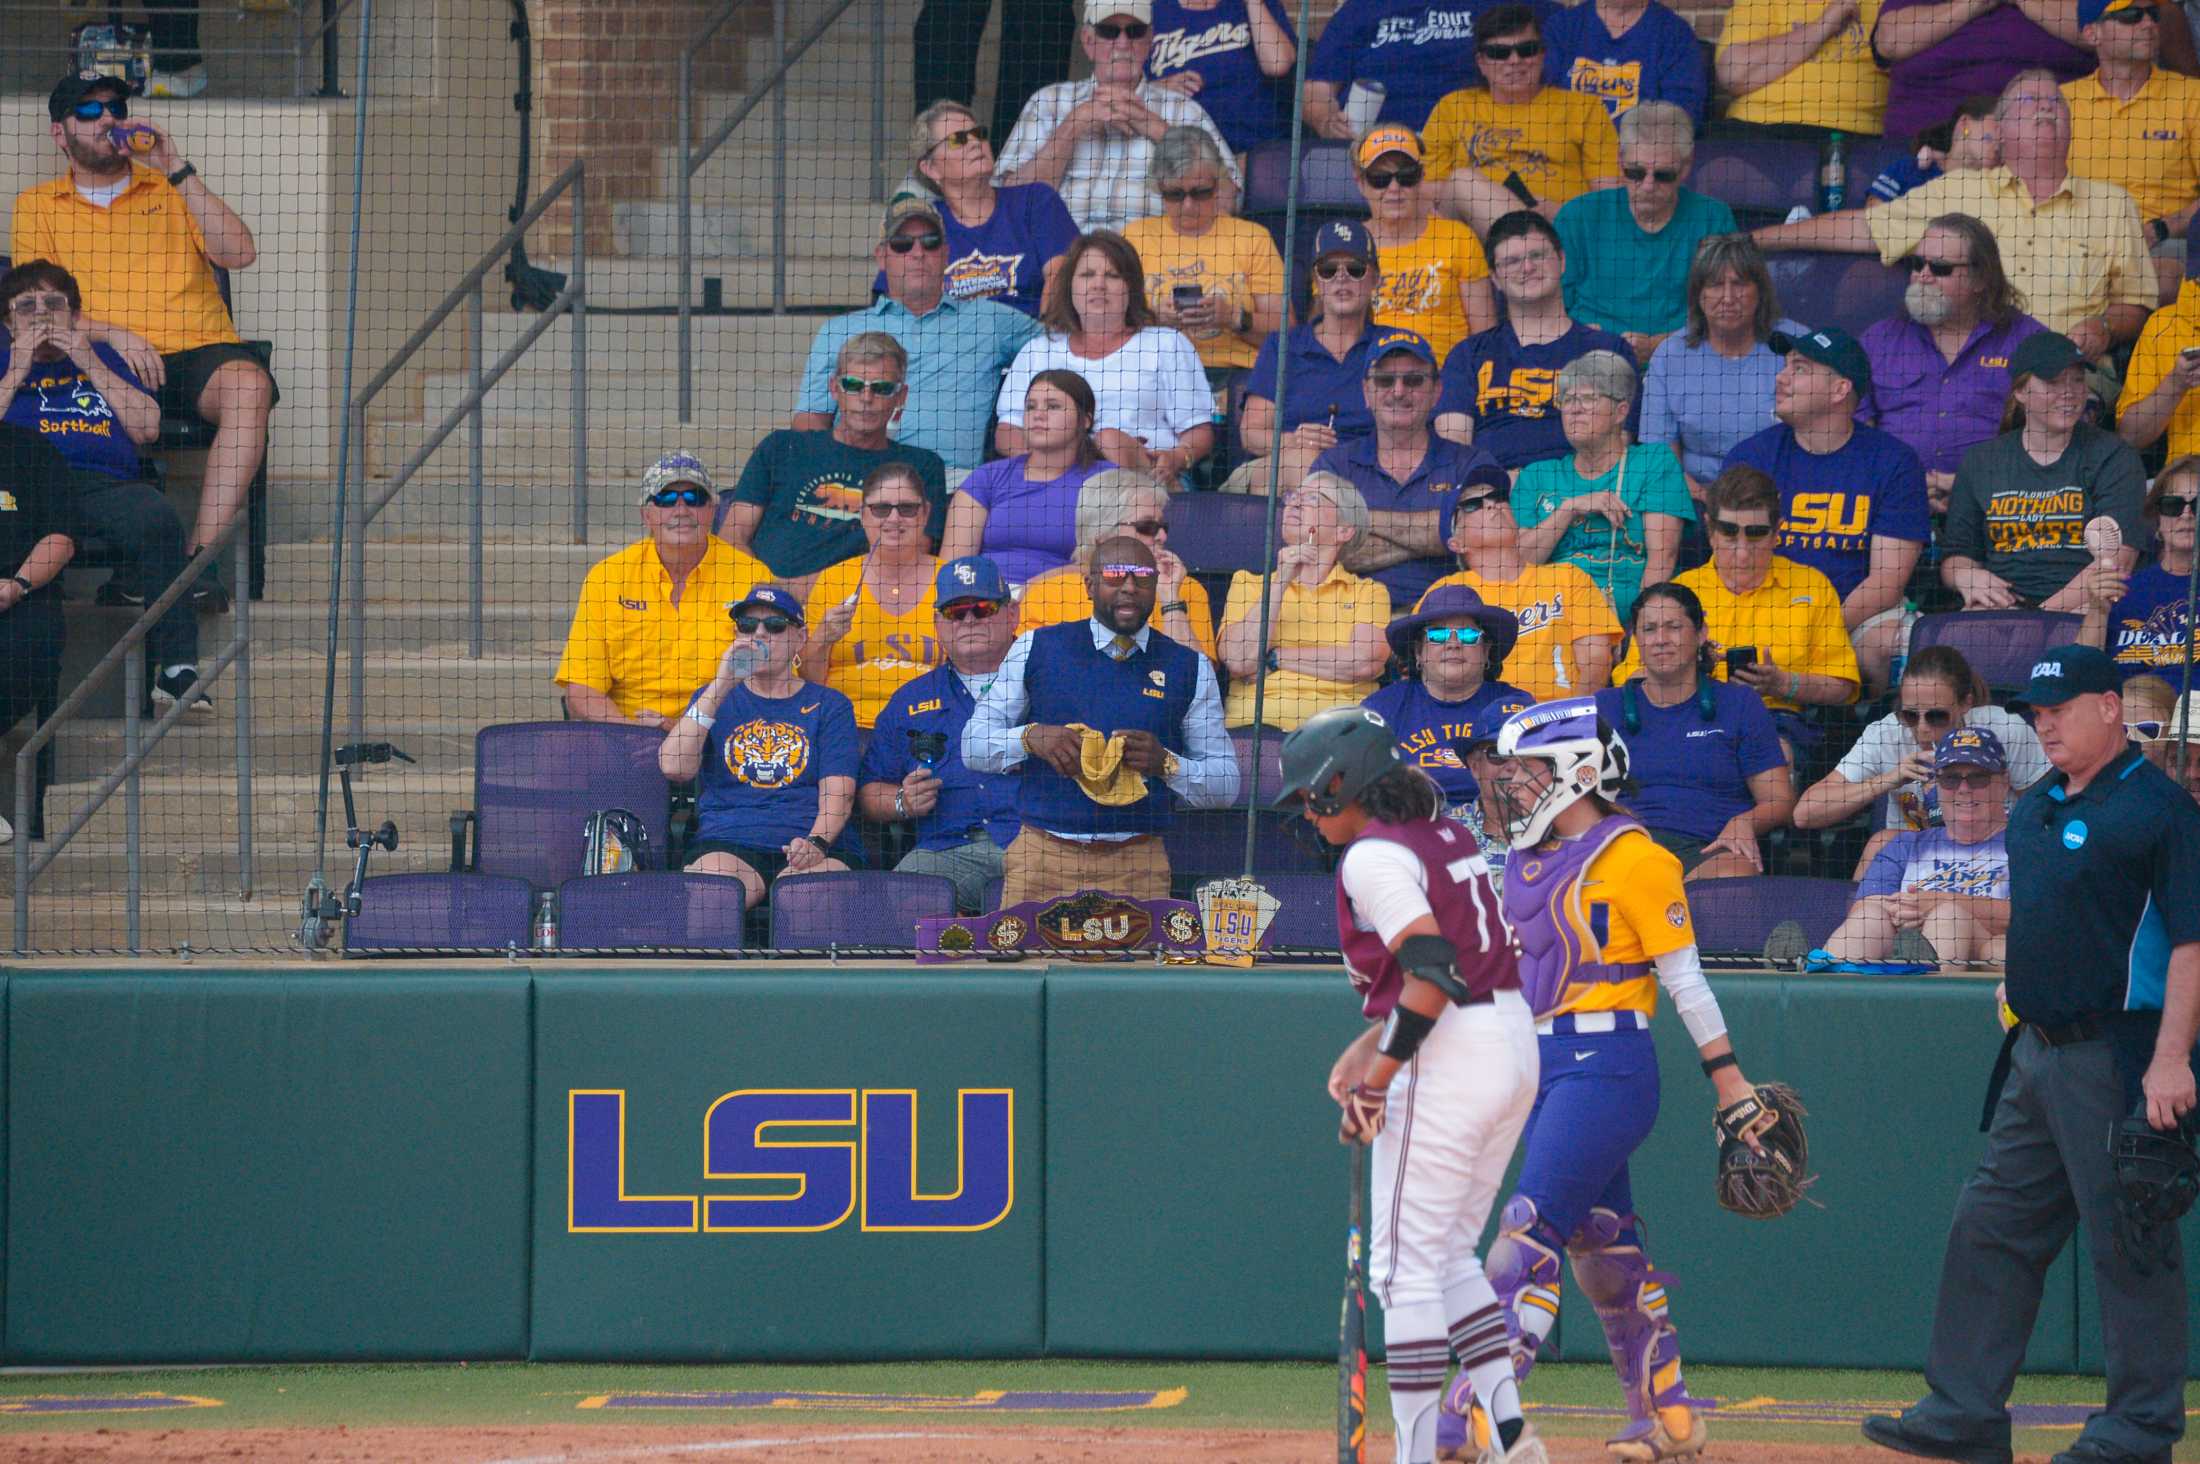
1612 509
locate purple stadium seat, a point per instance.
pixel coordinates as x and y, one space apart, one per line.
993 889
1848 290
1325 180
1219 533
445 912
1762 178
1271 764
1733 916
649 910
857 908
536 783
1306 915
1204 843
2001 645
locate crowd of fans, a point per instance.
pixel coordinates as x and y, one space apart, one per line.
1538 422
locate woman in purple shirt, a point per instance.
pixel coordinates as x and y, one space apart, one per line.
1022 510
1000 241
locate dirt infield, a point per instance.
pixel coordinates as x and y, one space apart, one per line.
765 1439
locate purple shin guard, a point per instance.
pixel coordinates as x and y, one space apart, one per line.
1629 1297
1524 1269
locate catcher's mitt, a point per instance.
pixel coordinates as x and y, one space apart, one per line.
1763 1185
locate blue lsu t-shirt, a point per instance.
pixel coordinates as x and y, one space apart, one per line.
1418 49
1902 176
1005 258
2148 627
763 760
1931 859
939 703
1692 774
59 403
1833 504
1510 390
1658 59
1429 730
1247 106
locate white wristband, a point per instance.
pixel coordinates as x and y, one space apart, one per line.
696 714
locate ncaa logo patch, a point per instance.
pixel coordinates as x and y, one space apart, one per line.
2074 834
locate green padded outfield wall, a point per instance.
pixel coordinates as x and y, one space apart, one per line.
256 1166
835 1252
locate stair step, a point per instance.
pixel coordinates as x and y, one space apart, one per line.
515 577
741 229
203 805
817 277
619 344
720 395
744 169
831 109
542 453
96 923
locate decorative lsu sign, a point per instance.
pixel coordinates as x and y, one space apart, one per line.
858 1154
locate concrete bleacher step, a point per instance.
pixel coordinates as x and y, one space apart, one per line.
86 750
434 685
202 807
720 394
399 571
728 229
741 171
541 452
205 864
822 107
762 345
96 922
822 274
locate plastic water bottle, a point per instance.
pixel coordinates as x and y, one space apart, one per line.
746 658
1833 175
546 922
1363 103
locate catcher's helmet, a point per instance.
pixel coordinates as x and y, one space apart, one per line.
1350 746
1586 756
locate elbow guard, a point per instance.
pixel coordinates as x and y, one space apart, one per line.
1404 1030
1433 959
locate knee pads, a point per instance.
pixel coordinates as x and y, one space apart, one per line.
1525 1253
1616 1276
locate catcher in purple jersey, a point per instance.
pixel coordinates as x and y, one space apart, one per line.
1601 919
1442 1082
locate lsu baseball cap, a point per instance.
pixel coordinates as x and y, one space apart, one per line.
972 577
1389 138
2045 355
72 89
1833 348
1099 10
675 468
2063 672
1347 236
1394 339
903 207
1970 747
771 597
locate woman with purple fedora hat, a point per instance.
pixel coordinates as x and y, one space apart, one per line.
1453 649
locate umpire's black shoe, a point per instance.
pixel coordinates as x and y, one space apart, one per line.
1891 1431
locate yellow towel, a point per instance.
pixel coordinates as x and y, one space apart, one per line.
1103 774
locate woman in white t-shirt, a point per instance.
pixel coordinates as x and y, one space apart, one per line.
1156 411
1894 758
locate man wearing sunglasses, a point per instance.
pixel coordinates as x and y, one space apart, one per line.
1093 140
913 766
1941 894
2136 124
1628 249
955 351
1515 141
1109 725
2104 982
651 623
143 239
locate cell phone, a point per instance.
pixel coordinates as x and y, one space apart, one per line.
1739 657
927 749
1185 296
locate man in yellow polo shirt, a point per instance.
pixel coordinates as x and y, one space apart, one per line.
654 618
2158 384
2073 246
143 234
2136 124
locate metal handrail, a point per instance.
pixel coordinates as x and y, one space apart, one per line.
570 301
693 157
138 744
309 36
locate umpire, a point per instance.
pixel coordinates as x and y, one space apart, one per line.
2104 976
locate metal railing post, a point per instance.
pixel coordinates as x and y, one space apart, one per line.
779 159
476 452
133 809
242 692
878 101
356 546
26 779
687 235
577 312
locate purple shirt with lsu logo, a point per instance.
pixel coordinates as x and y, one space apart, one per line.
763 759
1833 504
1005 258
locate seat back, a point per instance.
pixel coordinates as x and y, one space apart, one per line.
1306 911
1218 533
2001 645
856 908
1848 290
536 783
1271 764
649 910
1734 916
1209 843
442 912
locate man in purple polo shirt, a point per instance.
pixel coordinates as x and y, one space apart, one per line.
1852 498
1406 473
1940 370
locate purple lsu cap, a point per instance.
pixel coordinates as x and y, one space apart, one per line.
771 597
1970 747
1341 236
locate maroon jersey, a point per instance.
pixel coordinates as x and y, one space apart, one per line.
1468 911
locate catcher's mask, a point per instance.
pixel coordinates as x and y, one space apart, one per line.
1582 751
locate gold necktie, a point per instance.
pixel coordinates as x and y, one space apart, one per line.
1124 645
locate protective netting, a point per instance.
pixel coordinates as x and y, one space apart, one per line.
967 446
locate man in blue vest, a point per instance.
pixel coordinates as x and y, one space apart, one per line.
913 767
1111 724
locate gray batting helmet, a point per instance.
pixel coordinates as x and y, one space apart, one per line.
1349 741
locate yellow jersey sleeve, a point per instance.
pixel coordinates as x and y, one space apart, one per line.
1642 884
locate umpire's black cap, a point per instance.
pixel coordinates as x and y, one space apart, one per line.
2063 672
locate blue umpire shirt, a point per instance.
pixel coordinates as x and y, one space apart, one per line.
2102 885
970 802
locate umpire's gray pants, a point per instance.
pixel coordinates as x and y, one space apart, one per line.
2046 1171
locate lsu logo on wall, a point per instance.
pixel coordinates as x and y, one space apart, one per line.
795 1185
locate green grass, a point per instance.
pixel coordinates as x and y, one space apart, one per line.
1219 1395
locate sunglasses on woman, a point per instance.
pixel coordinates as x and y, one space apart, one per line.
1131 30
1973 781
1403 177
1635 173
957 138
1146 528
2174 505
903 243
1728 529
857 386
2148 729
1115 574
1934 717
1941 268
91 109
970 610
688 496
879 509
1499 51
1329 269
769 624
1465 635
1197 194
